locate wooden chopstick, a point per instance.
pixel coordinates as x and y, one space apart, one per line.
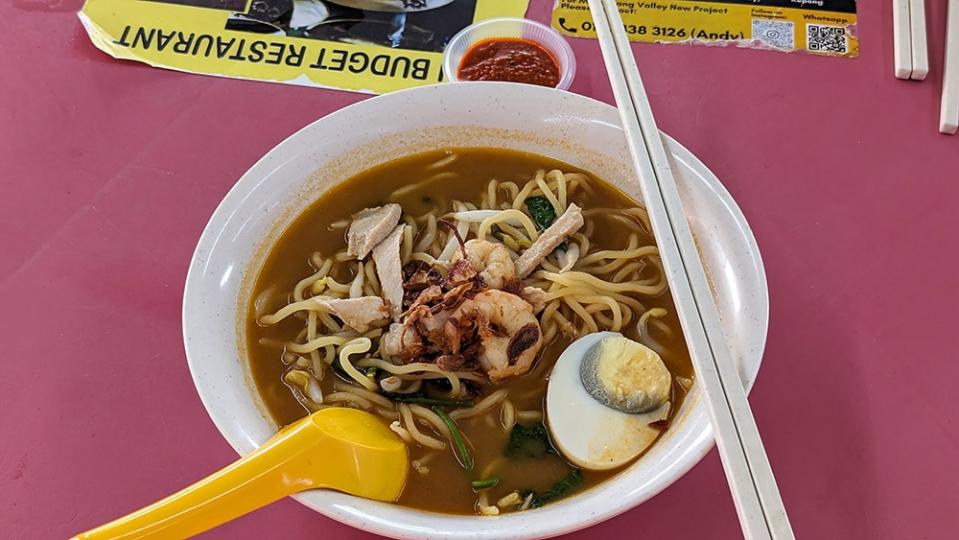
919 44
902 39
756 496
949 110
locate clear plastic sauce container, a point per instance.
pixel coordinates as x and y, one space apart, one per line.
508 49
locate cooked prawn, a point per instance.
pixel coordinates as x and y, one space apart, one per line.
508 331
397 340
491 260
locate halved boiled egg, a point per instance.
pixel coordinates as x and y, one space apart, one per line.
604 392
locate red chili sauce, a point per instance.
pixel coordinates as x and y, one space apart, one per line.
513 60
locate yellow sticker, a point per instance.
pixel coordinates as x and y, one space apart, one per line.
826 27
370 46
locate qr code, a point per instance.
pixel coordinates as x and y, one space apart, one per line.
776 34
826 39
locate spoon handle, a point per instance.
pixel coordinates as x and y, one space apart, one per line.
269 473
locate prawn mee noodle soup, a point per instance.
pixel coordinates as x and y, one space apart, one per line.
436 292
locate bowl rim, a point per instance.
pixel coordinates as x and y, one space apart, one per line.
700 444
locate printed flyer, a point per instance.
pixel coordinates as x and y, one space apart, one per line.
370 46
823 27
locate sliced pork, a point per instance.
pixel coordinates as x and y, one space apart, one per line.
370 227
360 314
556 234
389 269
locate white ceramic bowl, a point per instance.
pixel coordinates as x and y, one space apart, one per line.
570 127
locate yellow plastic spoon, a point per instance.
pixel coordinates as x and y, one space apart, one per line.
336 448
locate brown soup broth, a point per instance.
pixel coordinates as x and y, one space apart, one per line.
446 488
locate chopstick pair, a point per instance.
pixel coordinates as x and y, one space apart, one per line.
911 49
911 54
756 496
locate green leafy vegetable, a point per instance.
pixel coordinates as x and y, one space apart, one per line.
429 402
462 451
532 442
560 489
541 211
563 487
485 484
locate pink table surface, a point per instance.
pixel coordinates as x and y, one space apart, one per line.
110 171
